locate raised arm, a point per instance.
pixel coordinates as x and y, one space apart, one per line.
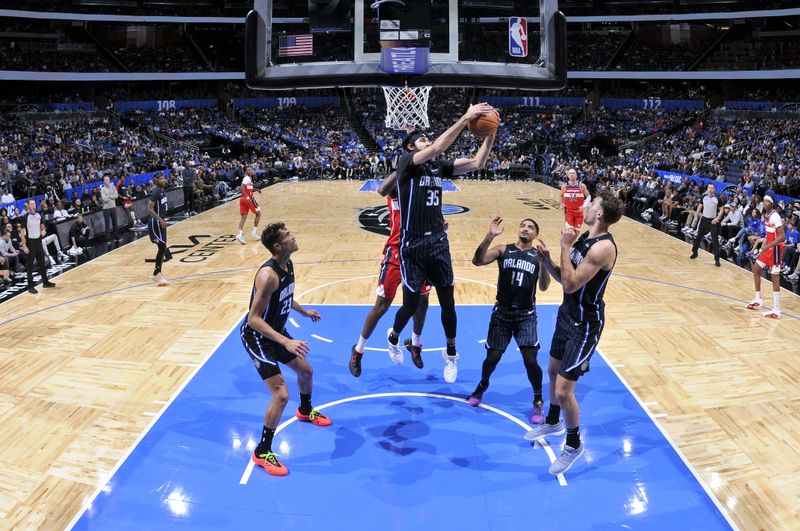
544 279
543 255
462 166
483 255
447 138
600 256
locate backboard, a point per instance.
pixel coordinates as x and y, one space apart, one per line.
469 47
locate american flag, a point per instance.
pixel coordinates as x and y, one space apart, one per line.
292 45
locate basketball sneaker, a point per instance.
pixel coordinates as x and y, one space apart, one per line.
355 362
476 397
395 352
450 372
545 430
240 238
537 417
755 304
159 280
566 459
269 462
772 314
314 417
416 353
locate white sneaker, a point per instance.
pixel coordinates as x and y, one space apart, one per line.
794 276
772 314
240 239
255 234
395 352
450 372
159 279
545 430
566 459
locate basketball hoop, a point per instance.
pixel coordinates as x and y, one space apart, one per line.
406 107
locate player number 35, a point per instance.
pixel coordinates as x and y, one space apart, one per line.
433 198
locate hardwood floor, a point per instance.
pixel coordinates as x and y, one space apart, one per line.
85 367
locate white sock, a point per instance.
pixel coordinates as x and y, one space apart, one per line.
758 296
776 301
362 342
240 233
414 339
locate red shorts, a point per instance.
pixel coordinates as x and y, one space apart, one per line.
574 218
245 206
771 258
389 277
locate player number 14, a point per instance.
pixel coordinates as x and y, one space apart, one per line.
516 278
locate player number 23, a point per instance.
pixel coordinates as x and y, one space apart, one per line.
433 198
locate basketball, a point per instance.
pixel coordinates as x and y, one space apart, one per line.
485 124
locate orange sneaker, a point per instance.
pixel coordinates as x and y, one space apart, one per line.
269 462
314 417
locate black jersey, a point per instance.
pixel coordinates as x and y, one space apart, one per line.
587 303
419 190
280 303
159 199
516 281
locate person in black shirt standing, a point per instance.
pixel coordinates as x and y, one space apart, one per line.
586 265
157 226
188 175
514 313
424 249
268 343
31 244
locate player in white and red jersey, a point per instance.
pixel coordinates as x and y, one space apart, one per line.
574 196
770 257
247 203
389 279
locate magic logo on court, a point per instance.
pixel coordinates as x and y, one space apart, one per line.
376 219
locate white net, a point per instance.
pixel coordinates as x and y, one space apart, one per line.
406 107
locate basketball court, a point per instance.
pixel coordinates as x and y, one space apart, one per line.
147 406
126 405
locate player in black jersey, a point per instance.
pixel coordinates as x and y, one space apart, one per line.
514 312
267 342
157 226
424 249
586 265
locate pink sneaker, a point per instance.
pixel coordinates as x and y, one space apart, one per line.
537 417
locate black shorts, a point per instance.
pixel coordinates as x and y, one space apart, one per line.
574 343
264 352
426 258
508 322
157 233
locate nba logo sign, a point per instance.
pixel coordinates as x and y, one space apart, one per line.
518 36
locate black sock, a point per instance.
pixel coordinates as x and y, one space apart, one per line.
393 338
537 398
483 385
574 437
305 404
553 414
451 350
265 445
